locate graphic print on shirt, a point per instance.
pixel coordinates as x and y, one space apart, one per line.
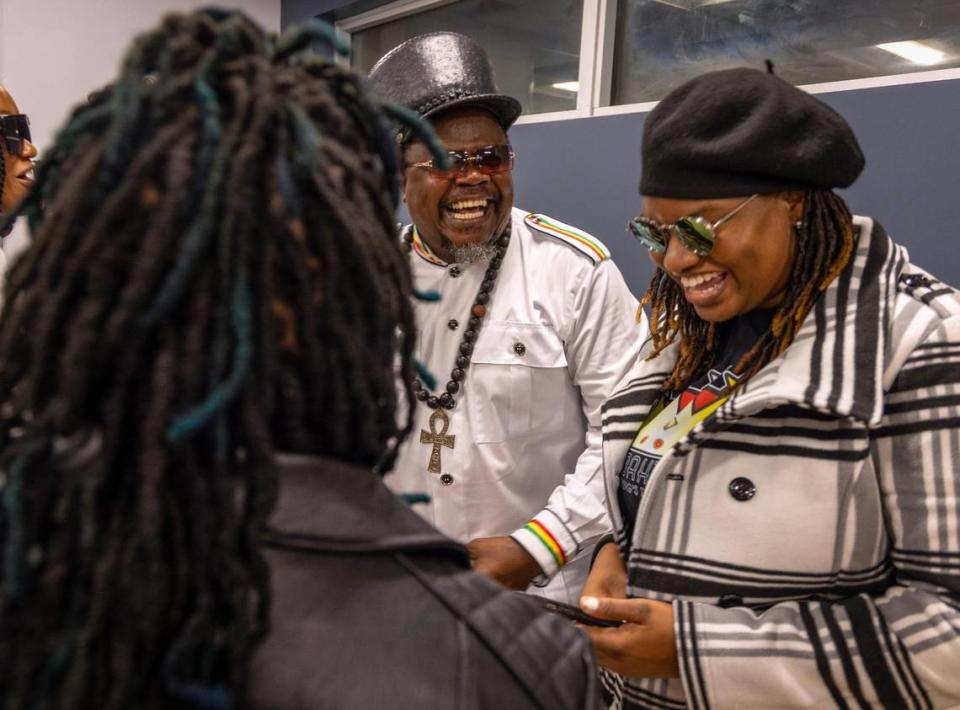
670 425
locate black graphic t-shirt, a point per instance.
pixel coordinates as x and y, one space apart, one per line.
676 415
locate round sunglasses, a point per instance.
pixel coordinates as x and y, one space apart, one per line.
490 160
694 232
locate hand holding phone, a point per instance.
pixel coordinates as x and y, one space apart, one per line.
571 612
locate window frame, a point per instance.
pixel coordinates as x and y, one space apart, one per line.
597 46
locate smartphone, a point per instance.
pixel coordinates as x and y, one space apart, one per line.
574 613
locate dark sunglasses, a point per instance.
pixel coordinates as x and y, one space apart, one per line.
490 160
694 232
15 129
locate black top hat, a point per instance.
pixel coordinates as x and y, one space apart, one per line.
439 71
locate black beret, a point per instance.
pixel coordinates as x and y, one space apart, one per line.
739 131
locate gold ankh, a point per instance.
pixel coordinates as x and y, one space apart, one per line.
437 439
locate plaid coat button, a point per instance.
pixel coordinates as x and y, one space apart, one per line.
742 489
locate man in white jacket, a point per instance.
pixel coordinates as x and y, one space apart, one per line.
533 327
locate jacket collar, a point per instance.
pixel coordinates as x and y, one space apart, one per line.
420 247
325 504
836 363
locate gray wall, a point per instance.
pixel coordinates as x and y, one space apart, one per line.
585 171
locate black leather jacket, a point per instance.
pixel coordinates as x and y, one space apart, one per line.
373 608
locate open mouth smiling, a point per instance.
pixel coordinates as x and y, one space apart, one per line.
26 176
703 289
470 209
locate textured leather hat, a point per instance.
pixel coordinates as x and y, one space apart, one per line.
738 131
439 71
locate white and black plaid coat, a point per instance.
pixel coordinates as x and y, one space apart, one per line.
837 584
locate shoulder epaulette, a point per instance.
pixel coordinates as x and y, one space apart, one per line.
586 244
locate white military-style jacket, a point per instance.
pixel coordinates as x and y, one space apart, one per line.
560 331
808 532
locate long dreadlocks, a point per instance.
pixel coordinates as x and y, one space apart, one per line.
189 305
823 247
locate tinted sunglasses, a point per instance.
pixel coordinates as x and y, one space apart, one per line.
15 129
490 160
694 232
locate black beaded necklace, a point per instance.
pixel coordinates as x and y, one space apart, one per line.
448 399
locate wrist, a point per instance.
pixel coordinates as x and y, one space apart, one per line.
543 547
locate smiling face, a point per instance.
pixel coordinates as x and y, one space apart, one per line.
453 214
749 266
17 169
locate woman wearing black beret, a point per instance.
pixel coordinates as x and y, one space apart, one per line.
783 463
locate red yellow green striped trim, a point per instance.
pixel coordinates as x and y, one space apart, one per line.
590 246
548 540
424 251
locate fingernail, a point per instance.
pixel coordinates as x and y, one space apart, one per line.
590 603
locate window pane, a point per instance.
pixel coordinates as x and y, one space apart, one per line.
662 43
534 44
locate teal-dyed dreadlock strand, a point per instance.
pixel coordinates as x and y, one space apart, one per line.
126 106
201 230
223 394
427 296
307 136
300 39
425 375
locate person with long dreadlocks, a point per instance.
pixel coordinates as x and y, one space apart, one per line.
205 366
783 463
16 162
534 327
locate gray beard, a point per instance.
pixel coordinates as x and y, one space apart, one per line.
471 253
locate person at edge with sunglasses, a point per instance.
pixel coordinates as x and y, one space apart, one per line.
533 327
16 166
782 464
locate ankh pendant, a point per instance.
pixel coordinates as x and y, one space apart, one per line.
437 439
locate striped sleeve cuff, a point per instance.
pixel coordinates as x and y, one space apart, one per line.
546 540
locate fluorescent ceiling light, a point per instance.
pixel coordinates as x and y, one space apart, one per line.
573 86
691 4
915 52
